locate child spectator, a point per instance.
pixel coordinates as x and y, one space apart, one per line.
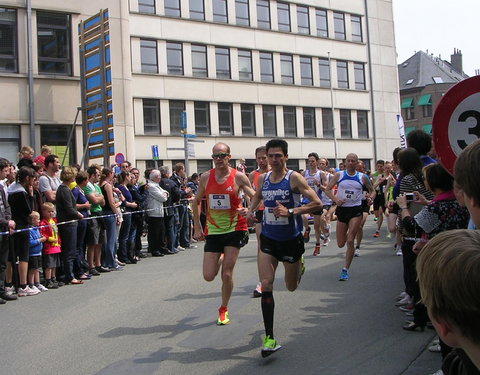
51 247
35 254
40 159
25 157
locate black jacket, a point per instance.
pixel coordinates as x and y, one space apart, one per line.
174 194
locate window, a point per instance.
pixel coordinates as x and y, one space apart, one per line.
148 56
359 76
8 41
197 10
269 121
437 79
176 109
222 61
151 116
322 24
225 118
242 12
410 113
409 82
202 118
345 123
199 61
245 65
339 25
362 124
220 11
172 8
146 6
263 14
309 128
324 67
286 63
266 67
289 121
356 28
53 31
427 110
303 21
327 123
342 74
174 58
248 119
10 141
56 136
293 164
306 70
204 165
283 11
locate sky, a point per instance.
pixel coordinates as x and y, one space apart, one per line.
438 26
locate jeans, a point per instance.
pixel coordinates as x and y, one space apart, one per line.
109 247
123 238
80 255
68 236
170 231
182 234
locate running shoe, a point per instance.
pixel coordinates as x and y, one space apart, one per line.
399 252
222 316
41 288
316 251
343 275
10 290
269 347
376 234
306 235
389 235
257 291
357 252
326 241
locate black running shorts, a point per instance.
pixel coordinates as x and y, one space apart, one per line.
284 251
344 214
215 243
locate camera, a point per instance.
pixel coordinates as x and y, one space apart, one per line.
409 197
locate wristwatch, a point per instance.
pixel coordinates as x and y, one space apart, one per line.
290 212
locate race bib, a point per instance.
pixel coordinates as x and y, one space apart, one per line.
271 219
349 195
219 201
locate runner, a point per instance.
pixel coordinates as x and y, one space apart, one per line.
328 205
281 239
366 203
349 206
377 175
225 231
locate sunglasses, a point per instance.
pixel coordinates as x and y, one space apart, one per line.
221 155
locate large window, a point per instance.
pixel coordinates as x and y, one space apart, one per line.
225 118
289 121
199 61
10 141
220 13
324 66
148 56
146 6
174 58
362 124
248 119
342 74
151 116
359 76
356 28
245 65
172 8
204 165
263 14
283 11
427 110
322 23
345 123
327 123
202 118
339 25
306 70
222 61
269 121
286 63
303 20
54 44
197 10
176 109
242 12
309 127
8 40
266 67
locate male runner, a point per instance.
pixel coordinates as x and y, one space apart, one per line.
349 206
263 167
328 205
281 239
225 231
376 176
366 203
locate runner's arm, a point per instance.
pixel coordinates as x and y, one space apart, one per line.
196 206
331 184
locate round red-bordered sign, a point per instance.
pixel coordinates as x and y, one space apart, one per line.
119 158
456 121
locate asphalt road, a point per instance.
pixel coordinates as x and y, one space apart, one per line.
158 317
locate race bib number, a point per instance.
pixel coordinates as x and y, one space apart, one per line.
349 195
271 219
219 201
311 183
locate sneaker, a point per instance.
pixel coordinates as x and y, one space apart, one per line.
257 291
102 269
23 292
222 316
116 268
357 252
316 251
180 248
306 235
269 347
326 241
94 272
343 275
121 264
34 288
435 348
10 290
51 285
41 288
404 301
376 234
389 235
399 252
401 296
191 246
407 308
327 229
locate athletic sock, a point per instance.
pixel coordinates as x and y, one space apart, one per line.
268 307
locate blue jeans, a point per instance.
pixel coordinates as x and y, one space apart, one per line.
182 234
123 238
80 258
109 247
68 236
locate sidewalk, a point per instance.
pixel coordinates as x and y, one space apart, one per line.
427 363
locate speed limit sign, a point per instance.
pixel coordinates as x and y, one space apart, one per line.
456 121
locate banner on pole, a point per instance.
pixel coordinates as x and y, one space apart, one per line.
401 130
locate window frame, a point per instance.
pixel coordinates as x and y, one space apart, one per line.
324 66
303 11
149 6
345 123
267 112
287 78
262 5
308 114
176 119
242 5
172 68
359 70
248 110
220 17
266 58
197 14
145 48
245 56
225 108
342 66
339 22
328 127
202 129
356 22
362 124
13 25
321 18
306 61
290 121
154 106
172 11
196 70
284 9
221 73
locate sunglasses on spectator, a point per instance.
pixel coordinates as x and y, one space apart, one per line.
221 155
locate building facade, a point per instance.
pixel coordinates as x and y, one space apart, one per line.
321 75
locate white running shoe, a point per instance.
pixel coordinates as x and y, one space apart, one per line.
27 291
357 252
326 241
404 301
399 253
9 290
41 288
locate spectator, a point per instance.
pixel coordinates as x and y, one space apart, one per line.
35 254
155 215
241 167
422 142
40 159
126 237
139 195
26 157
182 237
51 247
125 166
193 183
49 181
173 196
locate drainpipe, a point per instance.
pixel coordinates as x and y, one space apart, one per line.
31 99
